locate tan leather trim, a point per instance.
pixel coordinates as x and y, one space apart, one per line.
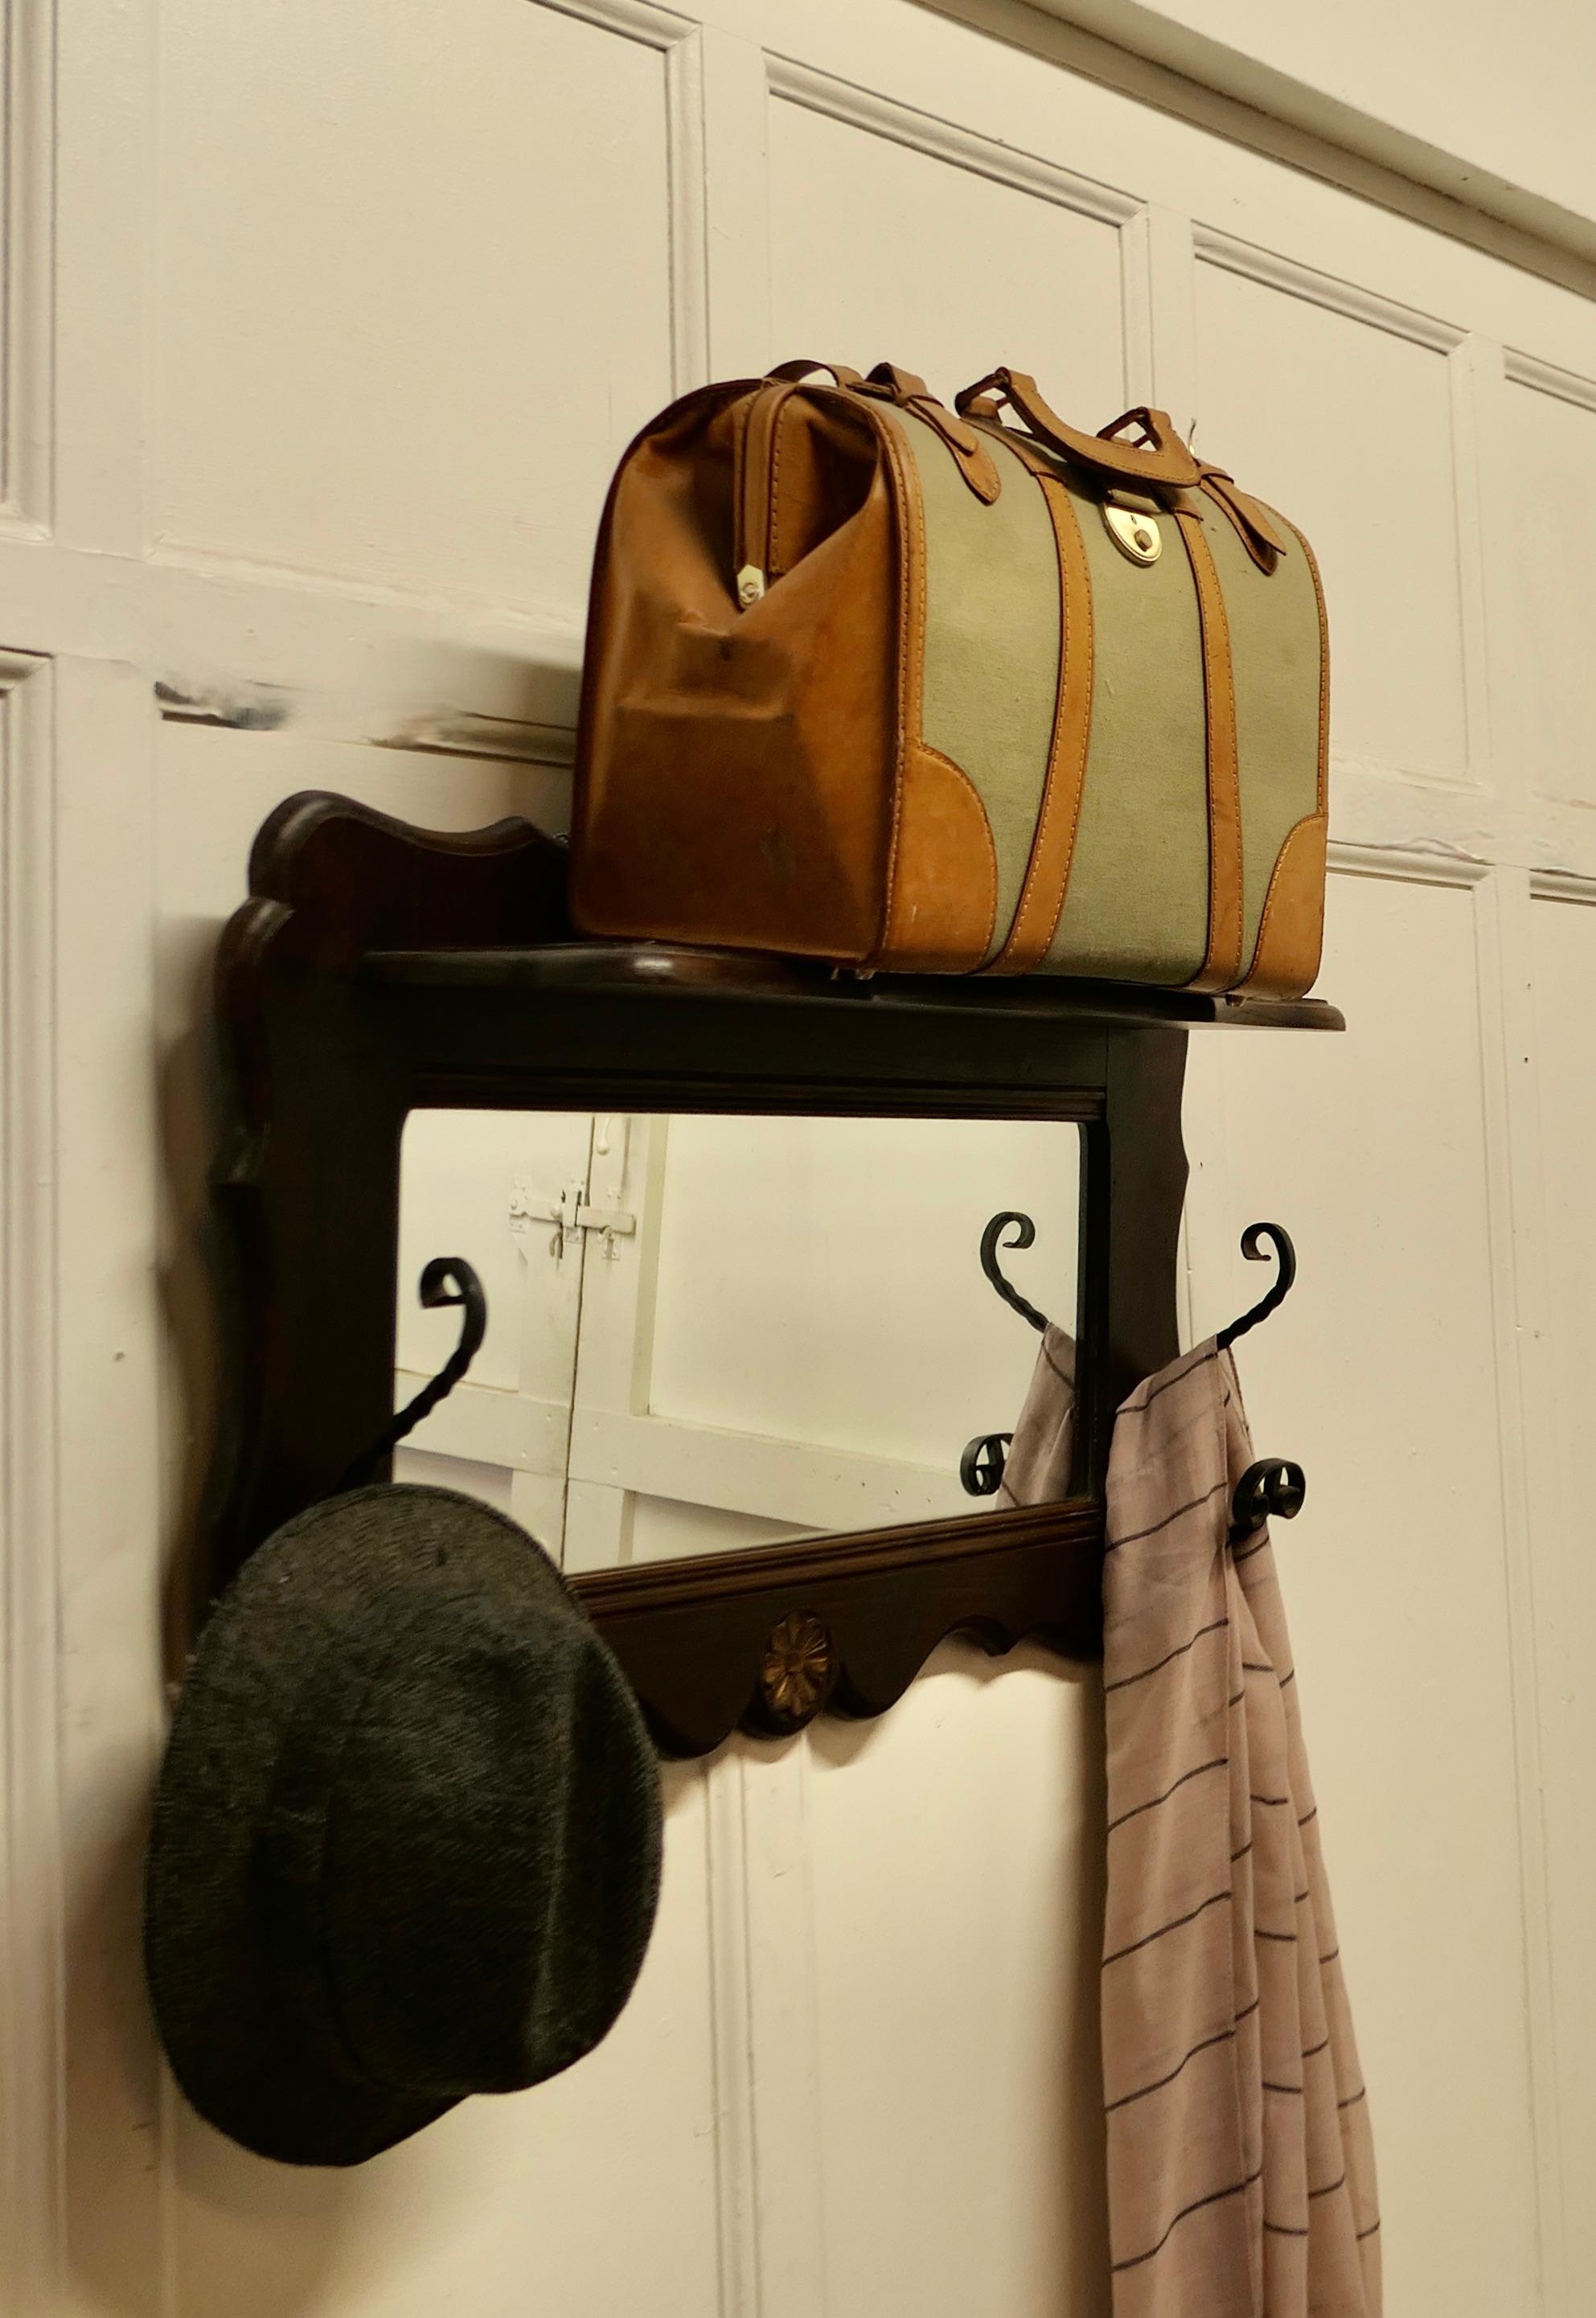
1047 874
944 888
1324 667
911 657
1162 458
797 370
758 453
887 384
1221 965
1291 932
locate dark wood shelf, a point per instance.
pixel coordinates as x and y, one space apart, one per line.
634 969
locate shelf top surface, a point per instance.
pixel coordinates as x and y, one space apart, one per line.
638 968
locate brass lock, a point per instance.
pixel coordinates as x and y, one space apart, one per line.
1135 531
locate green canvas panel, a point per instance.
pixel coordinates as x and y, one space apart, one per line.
1136 908
991 661
1275 650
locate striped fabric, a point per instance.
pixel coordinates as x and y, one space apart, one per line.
1037 1468
1240 2163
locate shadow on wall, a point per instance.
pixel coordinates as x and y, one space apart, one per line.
118 2085
225 2232
463 2206
441 773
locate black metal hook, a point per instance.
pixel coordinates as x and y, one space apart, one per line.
981 1468
991 1239
1274 1488
1256 1253
447 1280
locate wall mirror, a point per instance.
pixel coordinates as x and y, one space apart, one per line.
712 1332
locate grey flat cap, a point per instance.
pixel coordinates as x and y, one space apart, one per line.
407 1836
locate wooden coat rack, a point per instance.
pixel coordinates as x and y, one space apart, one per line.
378 968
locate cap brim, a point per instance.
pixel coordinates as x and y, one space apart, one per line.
233 2048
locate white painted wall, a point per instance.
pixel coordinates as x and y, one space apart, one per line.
320 340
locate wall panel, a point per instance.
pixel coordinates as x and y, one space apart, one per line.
957 1880
1548 557
883 252
1379 1376
504 2198
1564 1533
414 291
1346 427
352 311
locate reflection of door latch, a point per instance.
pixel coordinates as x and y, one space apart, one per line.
570 1213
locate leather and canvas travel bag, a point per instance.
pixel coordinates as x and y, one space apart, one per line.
920 690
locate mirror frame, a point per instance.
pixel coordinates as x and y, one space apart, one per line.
379 968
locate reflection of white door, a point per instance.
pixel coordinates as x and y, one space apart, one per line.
800 1338
712 1332
508 1192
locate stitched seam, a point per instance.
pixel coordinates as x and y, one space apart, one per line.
1205 582
904 526
1058 499
1017 946
773 510
1011 940
740 419
1219 970
1321 808
773 564
1324 667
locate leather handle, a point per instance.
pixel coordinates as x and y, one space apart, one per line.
1162 458
791 372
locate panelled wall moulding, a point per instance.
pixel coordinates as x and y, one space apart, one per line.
1277 271
27 265
959 147
1547 378
947 140
32 2085
680 41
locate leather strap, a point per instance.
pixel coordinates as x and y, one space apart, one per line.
756 478
1160 458
887 384
1220 968
1262 540
793 372
1053 849
896 385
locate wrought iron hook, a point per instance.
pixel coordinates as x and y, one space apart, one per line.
1272 1489
1256 1253
991 1239
446 1279
981 1468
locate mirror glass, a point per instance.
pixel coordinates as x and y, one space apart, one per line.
711 1333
